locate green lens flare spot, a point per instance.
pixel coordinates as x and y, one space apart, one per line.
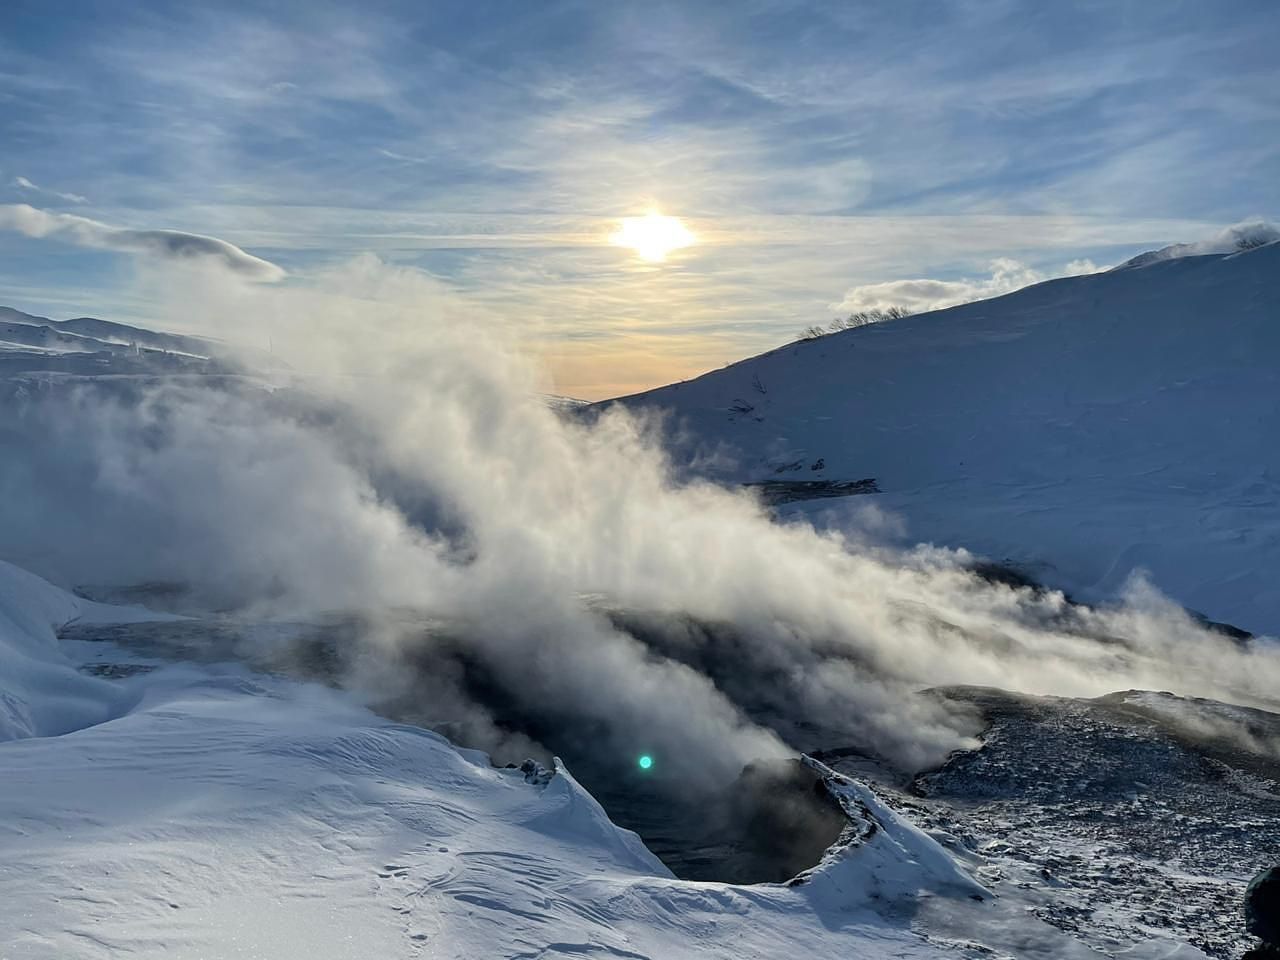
645 761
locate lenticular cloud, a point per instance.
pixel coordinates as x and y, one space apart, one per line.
162 244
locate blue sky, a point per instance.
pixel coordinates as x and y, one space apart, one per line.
812 148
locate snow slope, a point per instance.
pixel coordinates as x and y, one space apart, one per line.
1083 428
197 812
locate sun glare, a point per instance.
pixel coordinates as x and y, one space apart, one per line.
652 236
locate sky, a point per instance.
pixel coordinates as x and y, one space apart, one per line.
816 151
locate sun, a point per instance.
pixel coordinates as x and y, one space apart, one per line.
652 236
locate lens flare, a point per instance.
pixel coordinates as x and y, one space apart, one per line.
645 761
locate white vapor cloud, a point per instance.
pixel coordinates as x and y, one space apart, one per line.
923 295
22 183
403 464
1233 239
164 244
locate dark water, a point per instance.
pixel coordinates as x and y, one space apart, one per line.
774 821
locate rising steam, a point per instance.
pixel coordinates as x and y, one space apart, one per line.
397 458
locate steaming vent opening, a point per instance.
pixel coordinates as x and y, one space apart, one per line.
768 824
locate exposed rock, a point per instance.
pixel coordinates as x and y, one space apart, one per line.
1262 908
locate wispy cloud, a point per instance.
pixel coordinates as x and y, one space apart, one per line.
22 183
162 244
814 147
399 157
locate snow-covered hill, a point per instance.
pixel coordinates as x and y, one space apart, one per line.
1084 428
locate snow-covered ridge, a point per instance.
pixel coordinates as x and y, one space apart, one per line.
882 855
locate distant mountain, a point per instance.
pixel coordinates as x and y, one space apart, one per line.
34 348
92 333
1082 429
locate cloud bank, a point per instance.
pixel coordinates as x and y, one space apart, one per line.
161 244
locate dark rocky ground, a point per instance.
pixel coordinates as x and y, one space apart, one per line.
1118 818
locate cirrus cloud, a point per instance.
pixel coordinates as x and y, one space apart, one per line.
22 183
163 244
